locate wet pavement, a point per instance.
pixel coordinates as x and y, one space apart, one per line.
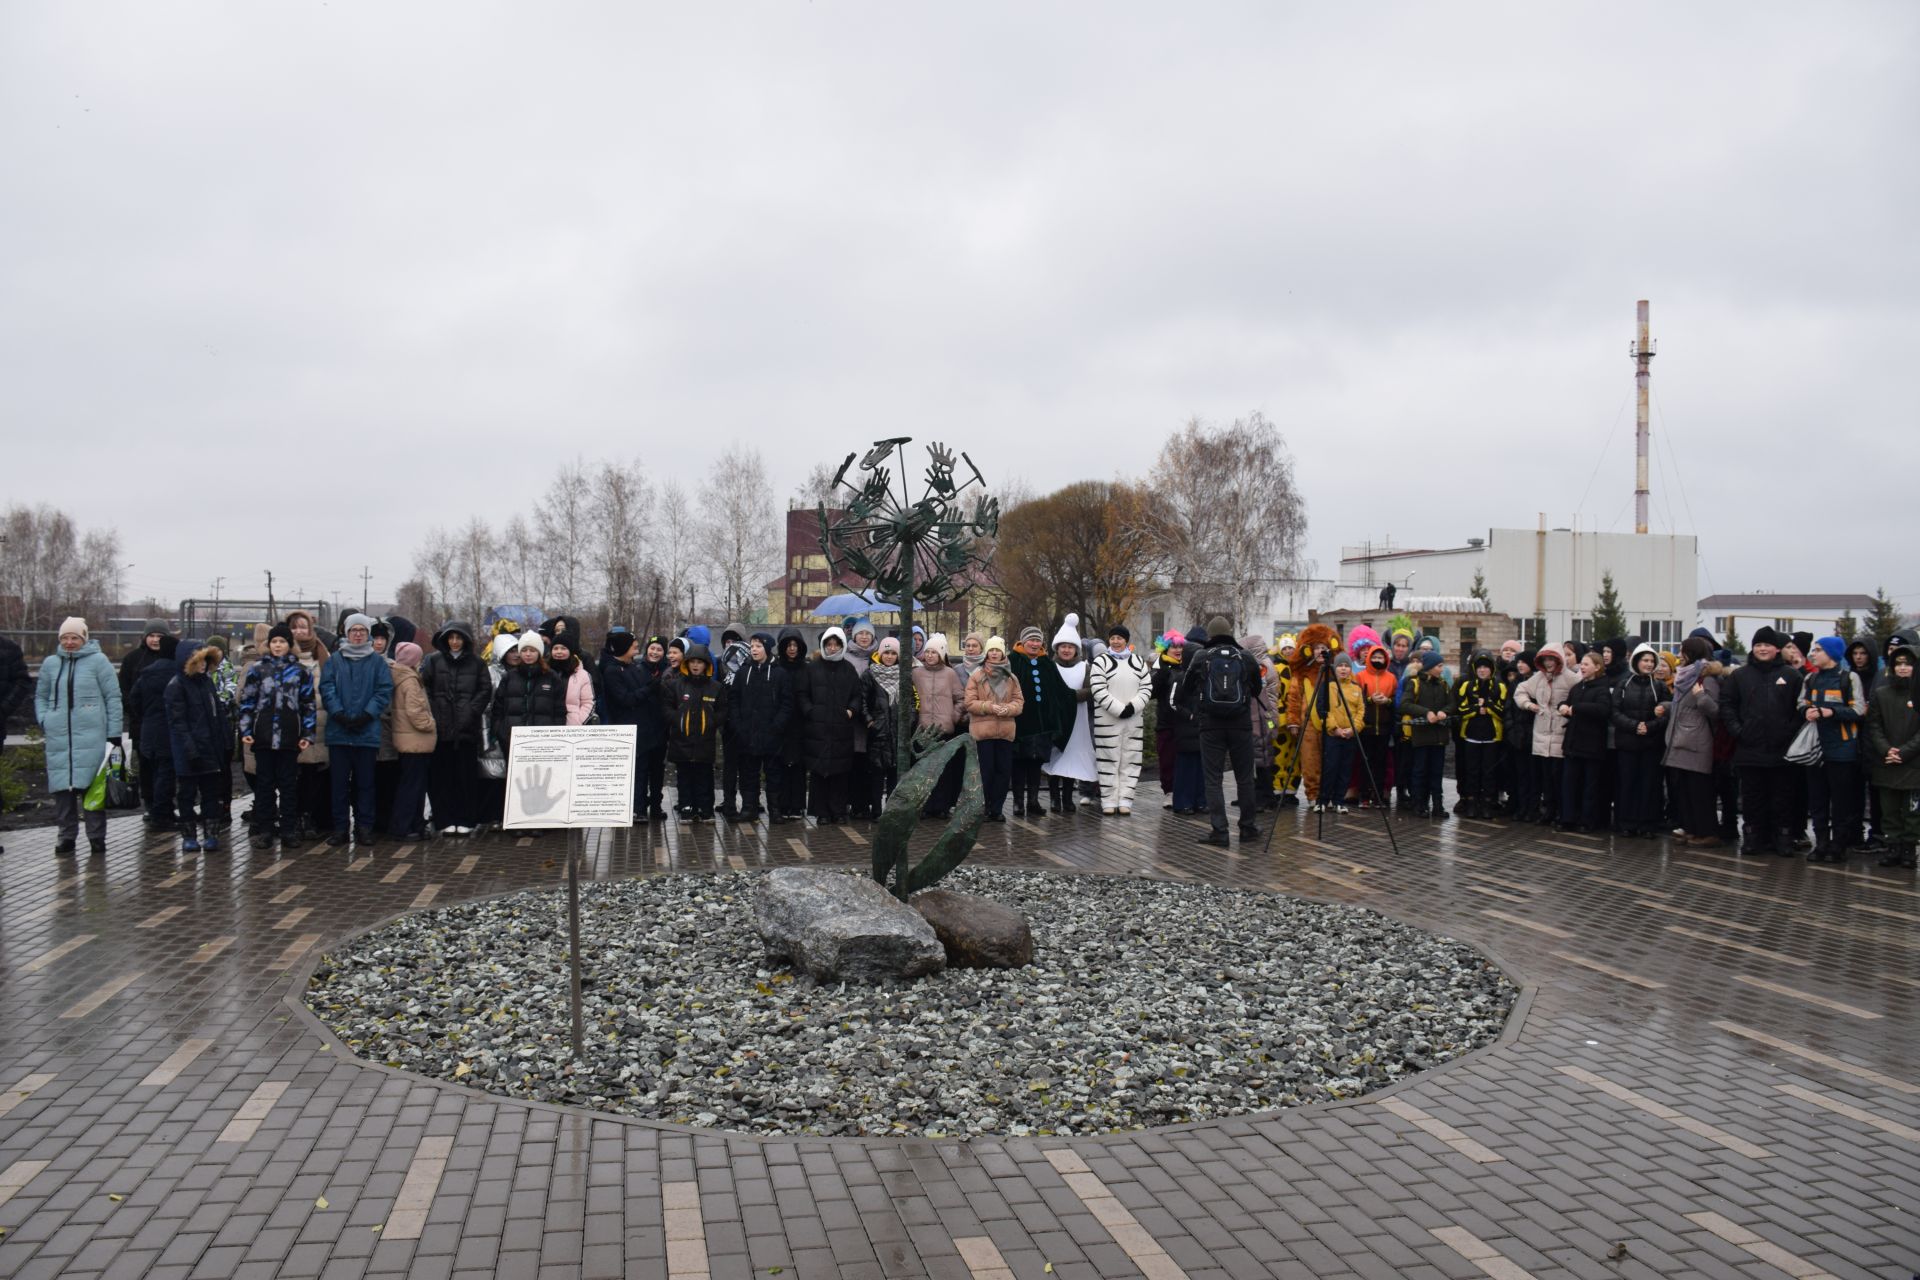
1712 1074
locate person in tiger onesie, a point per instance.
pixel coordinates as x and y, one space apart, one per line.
1316 640
1286 747
1120 685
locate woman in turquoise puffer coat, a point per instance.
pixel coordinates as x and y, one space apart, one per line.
78 706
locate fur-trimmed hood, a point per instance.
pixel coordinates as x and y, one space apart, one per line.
205 658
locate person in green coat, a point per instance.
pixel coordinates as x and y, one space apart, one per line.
1893 753
78 706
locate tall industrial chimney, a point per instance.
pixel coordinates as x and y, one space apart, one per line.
1642 353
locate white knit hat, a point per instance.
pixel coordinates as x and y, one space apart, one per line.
532 640
74 627
1069 632
937 640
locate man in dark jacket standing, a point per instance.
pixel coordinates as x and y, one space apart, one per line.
1218 685
130 668
147 712
629 690
1759 707
759 703
458 687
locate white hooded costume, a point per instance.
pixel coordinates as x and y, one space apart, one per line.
1075 760
1120 685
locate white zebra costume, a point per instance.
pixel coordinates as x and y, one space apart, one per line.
1121 686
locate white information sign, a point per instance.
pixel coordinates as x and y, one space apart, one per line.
570 776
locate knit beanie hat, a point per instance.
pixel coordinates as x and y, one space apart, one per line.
1767 635
532 641
889 645
619 641
1343 661
1069 632
380 628
936 643
219 642
1218 626
1429 659
407 654
1120 629
995 642
358 620
1834 647
78 627
699 634
1030 633
282 630
1803 640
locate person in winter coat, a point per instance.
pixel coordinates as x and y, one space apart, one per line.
1119 686
1313 653
1219 683
862 644
829 698
1640 708
759 705
734 654
1046 718
1893 753
972 656
940 703
880 692
993 701
147 713
529 695
1263 715
1587 712
1760 708
1480 711
414 732
1071 762
695 707
199 733
16 684
788 797
276 723
572 668
1379 691
1541 695
77 705
1189 774
1339 718
1427 711
1166 677
459 688
1866 664
627 693
1523 778
130 668
1833 698
1689 750
316 787
356 690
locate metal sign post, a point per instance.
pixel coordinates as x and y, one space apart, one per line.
571 777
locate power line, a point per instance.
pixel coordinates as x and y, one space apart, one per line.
1666 436
1601 460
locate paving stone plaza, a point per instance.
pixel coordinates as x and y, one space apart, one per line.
1710 1073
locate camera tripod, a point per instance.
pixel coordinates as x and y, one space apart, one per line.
1321 690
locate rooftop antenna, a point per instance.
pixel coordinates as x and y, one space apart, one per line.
1642 353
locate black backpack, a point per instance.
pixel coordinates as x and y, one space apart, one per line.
1223 681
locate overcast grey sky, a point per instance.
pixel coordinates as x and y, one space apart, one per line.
282 286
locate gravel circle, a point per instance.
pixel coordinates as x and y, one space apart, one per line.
1147 1003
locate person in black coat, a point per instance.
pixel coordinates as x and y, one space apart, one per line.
787 769
1640 708
16 684
1759 707
829 701
459 688
694 709
1589 713
629 694
760 702
147 719
530 694
199 736
1523 796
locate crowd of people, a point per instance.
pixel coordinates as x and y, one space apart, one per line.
1810 746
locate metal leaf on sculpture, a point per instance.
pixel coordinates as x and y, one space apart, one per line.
893 834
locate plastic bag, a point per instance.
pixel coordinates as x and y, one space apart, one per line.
1805 747
110 788
493 763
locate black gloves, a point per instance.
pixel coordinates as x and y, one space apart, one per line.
354 723
1126 712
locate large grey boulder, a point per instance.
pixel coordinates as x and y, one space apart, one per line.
836 927
977 933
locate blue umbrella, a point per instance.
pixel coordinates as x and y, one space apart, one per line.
857 602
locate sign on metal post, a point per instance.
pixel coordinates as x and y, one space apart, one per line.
573 777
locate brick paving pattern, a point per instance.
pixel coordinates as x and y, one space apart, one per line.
1713 1076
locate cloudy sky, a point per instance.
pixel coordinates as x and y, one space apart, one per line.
284 286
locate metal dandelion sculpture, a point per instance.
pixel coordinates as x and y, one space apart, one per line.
913 550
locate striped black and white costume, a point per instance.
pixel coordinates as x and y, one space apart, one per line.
1121 685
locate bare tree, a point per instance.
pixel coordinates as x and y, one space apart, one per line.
561 517
815 489
1087 548
622 505
475 551
738 519
436 567
50 569
1228 518
677 558
414 601
522 562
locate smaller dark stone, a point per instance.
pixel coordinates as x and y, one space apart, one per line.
977 933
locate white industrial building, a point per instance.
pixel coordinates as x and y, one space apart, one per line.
1742 615
1549 579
